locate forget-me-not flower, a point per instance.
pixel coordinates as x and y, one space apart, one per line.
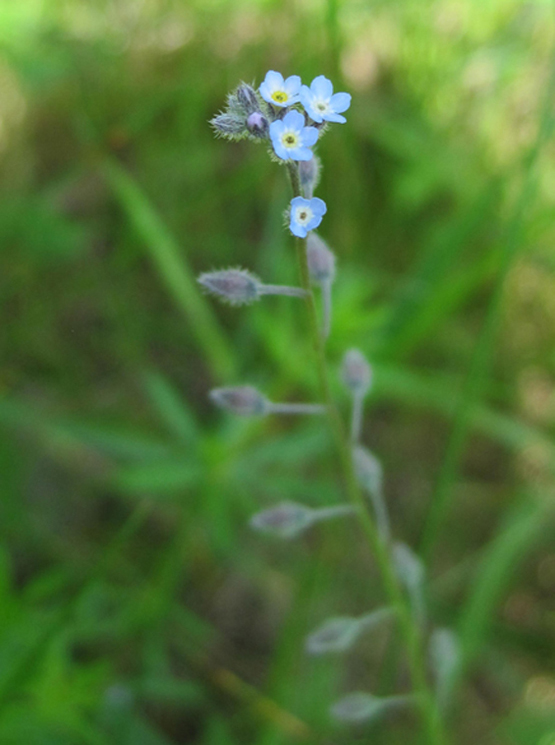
306 214
278 91
321 103
291 138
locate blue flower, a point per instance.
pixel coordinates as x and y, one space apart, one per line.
278 91
291 139
322 104
306 214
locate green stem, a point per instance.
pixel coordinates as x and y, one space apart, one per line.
411 633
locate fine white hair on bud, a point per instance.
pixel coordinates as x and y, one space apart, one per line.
241 400
258 125
320 259
234 286
356 372
247 98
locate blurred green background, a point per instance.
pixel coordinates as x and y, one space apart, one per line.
136 606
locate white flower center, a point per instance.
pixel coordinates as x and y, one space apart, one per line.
322 106
280 96
290 139
303 215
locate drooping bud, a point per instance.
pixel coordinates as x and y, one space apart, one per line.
334 635
286 520
309 174
258 125
234 286
368 470
321 261
356 372
241 400
364 707
412 574
247 98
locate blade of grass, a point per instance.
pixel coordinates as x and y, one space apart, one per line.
481 359
173 268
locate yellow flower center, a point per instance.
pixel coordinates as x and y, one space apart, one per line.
279 96
290 140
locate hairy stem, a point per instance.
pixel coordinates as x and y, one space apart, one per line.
411 633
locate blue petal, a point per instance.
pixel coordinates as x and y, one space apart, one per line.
274 80
309 136
321 87
276 129
299 202
318 206
292 85
340 102
335 118
294 120
314 222
296 229
265 92
301 153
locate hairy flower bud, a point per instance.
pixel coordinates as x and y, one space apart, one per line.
241 400
356 372
309 174
321 261
229 125
258 125
286 520
368 469
364 707
234 286
247 98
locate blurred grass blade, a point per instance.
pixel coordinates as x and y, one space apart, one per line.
480 363
525 527
172 408
172 266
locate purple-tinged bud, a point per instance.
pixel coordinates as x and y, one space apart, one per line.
258 125
321 261
286 520
247 98
234 286
242 400
334 635
309 174
364 707
356 372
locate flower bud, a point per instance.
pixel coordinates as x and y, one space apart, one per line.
334 635
309 174
247 98
229 125
257 124
241 400
234 286
286 520
368 470
356 372
364 707
321 261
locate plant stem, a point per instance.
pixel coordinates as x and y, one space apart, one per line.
285 408
411 634
282 290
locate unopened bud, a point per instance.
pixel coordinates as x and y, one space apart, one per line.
356 372
241 400
364 707
247 98
368 470
257 124
334 635
286 520
235 286
309 174
229 125
321 261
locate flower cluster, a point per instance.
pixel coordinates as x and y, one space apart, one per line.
289 116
